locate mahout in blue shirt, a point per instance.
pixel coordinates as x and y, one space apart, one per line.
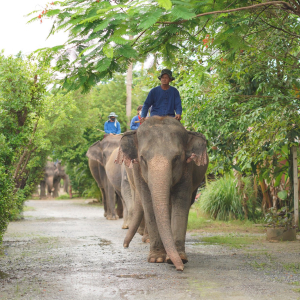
163 102
112 127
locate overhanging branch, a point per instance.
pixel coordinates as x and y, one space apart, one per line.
275 3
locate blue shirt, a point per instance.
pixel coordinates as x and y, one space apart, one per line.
134 126
109 127
164 102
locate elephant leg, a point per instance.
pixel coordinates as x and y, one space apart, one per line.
120 206
56 187
145 238
142 226
111 203
127 197
137 216
104 201
125 215
181 202
43 189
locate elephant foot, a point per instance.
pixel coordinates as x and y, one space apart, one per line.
182 256
157 257
120 214
145 238
125 226
141 230
112 217
105 214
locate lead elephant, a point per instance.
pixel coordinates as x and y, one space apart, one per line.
99 154
169 164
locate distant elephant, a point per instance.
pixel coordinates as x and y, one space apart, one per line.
169 164
99 154
54 172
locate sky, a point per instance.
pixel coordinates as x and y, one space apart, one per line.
16 35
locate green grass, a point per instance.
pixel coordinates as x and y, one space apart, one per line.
295 283
28 208
231 240
221 200
257 265
294 267
296 290
200 221
63 197
195 221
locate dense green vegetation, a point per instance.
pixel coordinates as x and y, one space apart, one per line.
236 66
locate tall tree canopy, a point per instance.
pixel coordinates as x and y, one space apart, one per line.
98 43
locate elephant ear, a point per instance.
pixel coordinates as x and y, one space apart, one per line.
128 149
196 149
95 152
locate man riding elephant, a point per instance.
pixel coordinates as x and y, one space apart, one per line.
169 164
164 99
112 126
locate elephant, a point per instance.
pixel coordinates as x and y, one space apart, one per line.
53 174
117 176
120 179
169 164
99 154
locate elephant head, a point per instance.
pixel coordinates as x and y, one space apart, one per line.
165 151
101 150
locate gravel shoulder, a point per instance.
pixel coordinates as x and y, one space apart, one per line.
66 249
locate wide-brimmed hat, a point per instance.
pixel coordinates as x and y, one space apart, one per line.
112 114
168 72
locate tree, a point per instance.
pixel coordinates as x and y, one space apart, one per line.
23 92
236 61
98 31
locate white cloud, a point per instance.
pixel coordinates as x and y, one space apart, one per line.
16 35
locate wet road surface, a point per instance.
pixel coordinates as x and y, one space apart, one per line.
66 249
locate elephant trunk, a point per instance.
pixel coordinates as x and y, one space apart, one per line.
159 182
49 181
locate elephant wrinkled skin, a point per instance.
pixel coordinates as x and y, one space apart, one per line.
99 154
169 164
118 177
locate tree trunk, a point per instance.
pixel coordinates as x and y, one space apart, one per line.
128 93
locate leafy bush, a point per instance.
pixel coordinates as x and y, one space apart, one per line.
63 197
7 203
221 199
279 218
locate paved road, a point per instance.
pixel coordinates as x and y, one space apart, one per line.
67 250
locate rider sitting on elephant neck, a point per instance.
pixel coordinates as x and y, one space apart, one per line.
164 99
112 126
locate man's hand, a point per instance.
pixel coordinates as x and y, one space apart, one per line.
142 120
178 117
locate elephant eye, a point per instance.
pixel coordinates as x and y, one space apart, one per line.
176 158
